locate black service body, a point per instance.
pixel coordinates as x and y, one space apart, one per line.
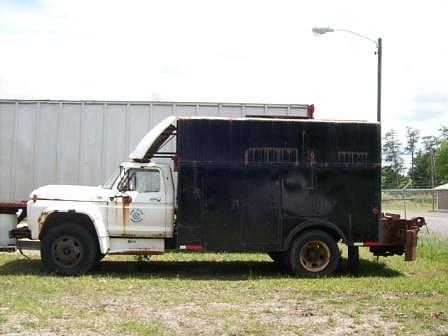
252 184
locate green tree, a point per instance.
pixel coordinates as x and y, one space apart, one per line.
412 136
443 132
441 156
387 177
430 144
422 170
392 153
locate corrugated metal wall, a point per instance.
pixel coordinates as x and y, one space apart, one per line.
442 199
82 142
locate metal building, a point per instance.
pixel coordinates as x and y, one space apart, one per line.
81 142
442 197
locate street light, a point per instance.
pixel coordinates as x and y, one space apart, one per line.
379 52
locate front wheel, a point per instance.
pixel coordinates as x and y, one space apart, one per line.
314 253
68 249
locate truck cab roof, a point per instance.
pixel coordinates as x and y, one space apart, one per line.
143 165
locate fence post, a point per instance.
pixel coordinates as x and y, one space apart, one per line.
433 199
404 201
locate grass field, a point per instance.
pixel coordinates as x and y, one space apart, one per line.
415 199
227 294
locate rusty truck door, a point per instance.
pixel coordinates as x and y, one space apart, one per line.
141 211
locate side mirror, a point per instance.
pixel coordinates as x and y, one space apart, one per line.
122 185
126 181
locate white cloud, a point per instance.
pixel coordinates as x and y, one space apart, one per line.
228 51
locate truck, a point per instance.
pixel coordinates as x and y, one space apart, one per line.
293 188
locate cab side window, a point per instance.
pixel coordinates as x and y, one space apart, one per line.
144 181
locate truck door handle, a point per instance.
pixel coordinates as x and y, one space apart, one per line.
157 199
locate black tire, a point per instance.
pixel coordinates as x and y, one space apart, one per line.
68 249
313 254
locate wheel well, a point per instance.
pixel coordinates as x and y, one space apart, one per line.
56 218
333 233
328 230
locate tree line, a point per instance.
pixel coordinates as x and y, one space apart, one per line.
429 159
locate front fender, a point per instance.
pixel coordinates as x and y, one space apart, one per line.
95 212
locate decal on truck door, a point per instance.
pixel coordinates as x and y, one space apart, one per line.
136 215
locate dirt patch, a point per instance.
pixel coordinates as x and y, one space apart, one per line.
284 311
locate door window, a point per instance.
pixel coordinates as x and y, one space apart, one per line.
144 181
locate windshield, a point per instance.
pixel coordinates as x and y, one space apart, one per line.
111 180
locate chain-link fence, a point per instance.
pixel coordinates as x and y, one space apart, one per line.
403 200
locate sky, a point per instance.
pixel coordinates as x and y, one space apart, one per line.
233 51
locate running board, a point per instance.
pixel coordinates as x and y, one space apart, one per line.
137 246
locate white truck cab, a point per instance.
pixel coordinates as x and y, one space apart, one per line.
132 213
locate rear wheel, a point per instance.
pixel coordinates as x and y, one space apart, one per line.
68 249
314 253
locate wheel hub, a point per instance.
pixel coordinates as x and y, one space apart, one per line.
67 251
315 256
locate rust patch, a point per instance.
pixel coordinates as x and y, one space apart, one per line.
127 200
394 228
270 155
115 211
401 232
353 157
312 158
41 221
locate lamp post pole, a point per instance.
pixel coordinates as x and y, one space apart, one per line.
378 101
